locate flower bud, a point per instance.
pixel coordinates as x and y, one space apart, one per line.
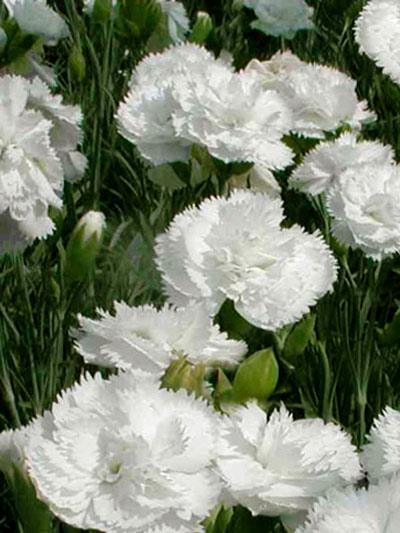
84 245
256 377
202 28
183 375
77 64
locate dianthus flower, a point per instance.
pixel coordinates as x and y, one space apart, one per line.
376 510
185 96
281 466
364 202
234 248
35 16
377 31
149 339
321 98
381 456
31 172
123 455
321 167
281 17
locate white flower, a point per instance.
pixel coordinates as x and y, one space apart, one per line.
377 31
281 17
65 133
185 96
281 465
35 16
31 175
381 456
234 248
178 22
235 118
376 510
126 456
321 98
147 339
321 167
364 203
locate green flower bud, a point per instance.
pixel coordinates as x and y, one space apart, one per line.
84 245
77 64
202 28
183 375
256 377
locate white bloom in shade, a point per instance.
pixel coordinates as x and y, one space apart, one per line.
364 203
322 166
65 133
281 466
281 17
35 16
321 98
147 339
234 248
31 175
124 455
376 510
381 456
185 96
12 446
377 31
178 22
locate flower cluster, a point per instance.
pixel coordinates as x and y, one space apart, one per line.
235 248
149 339
38 135
281 17
377 31
321 98
185 96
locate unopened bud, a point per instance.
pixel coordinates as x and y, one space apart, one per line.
77 64
256 377
202 27
84 245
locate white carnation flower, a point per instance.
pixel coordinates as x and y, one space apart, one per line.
31 176
376 510
234 248
126 456
381 456
377 31
65 133
321 98
281 17
279 465
364 203
235 118
321 167
35 16
147 339
185 96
